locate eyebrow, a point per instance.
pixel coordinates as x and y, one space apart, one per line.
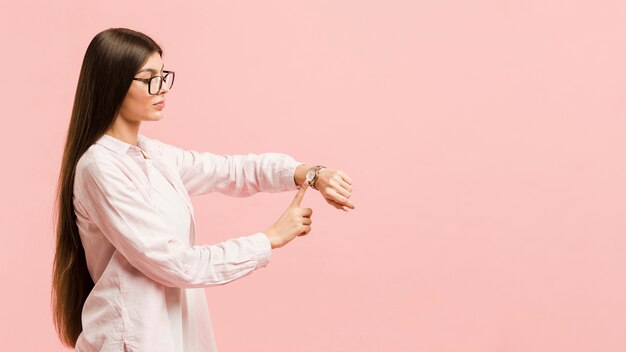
151 69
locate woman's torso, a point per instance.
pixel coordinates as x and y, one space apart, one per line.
128 311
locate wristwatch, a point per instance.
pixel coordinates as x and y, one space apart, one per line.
311 175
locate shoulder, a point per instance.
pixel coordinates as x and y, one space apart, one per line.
101 174
100 165
169 153
157 146
90 159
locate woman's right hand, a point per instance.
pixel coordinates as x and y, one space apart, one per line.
295 221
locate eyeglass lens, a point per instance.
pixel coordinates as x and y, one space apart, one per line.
156 83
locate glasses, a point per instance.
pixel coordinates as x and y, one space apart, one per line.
156 83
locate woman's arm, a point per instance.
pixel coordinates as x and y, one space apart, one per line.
235 175
126 218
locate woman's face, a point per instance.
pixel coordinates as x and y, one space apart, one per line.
139 105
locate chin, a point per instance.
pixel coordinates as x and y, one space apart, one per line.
158 116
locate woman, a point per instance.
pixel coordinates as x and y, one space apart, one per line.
127 273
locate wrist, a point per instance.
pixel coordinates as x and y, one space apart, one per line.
271 237
299 175
313 175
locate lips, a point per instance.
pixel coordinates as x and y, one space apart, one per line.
160 102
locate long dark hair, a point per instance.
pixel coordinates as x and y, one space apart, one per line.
112 59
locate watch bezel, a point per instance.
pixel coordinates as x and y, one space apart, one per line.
310 175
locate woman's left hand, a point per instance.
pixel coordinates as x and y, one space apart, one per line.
336 188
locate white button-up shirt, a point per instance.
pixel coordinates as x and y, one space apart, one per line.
136 224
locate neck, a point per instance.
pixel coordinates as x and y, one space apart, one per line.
124 130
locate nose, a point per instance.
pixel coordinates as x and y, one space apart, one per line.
164 89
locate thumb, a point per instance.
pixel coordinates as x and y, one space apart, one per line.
299 195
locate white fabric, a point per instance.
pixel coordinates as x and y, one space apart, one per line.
176 215
136 224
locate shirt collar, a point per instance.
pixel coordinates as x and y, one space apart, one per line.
120 147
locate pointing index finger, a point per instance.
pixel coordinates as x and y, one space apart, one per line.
297 199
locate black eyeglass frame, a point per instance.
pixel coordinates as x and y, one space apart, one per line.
165 75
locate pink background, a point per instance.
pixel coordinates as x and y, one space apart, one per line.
485 140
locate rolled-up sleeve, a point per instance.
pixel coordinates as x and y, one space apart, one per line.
234 175
127 219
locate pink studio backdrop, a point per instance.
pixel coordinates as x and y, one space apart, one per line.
485 140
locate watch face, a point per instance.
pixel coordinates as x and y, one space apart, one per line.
310 175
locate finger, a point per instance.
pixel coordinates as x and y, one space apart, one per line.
307 221
345 185
342 191
340 199
305 231
306 212
337 205
297 199
345 177
333 203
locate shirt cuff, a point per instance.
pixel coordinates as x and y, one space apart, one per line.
288 176
263 247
